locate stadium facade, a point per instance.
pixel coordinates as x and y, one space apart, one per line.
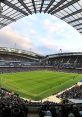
68 10
12 58
65 60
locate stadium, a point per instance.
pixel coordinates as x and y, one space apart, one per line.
35 85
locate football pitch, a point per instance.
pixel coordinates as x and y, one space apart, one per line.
37 85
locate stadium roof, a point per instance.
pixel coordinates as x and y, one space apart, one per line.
19 51
68 10
64 54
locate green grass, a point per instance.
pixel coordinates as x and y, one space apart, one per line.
37 85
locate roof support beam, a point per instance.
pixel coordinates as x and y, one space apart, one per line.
14 7
25 6
1 0
75 20
79 28
41 6
64 6
51 2
74 13
77 25
57 5
7 17
2 24
34 6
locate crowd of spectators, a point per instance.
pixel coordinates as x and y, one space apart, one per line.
13 69
60 110
73 93
11 105
20 69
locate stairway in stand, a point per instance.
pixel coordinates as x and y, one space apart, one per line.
33 115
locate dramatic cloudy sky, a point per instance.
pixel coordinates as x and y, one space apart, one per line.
41 33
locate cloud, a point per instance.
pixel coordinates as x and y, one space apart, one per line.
33 32
52 45
10 37
32 17
42 33
54 26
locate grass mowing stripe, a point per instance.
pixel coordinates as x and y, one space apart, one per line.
38 84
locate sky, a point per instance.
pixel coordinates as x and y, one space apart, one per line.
41 33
